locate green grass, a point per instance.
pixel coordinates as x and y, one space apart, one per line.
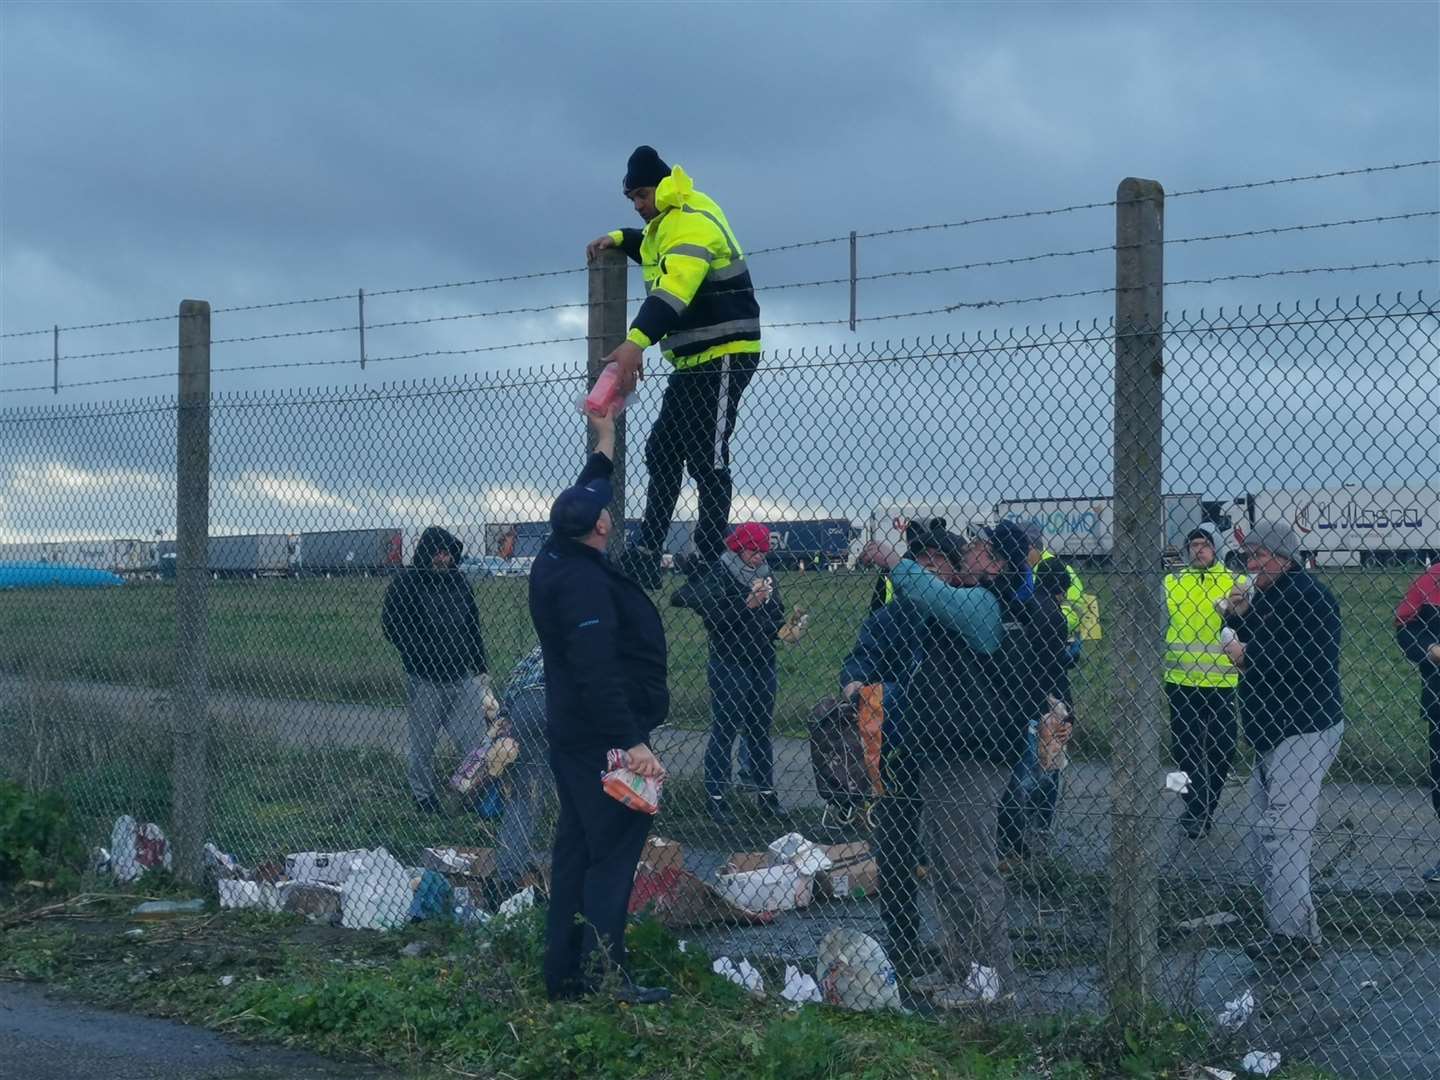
473 1006
321 640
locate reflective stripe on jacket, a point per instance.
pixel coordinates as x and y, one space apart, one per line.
1193 654
700 303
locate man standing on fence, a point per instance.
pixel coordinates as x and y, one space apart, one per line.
1286 644
701 309
1200 680
430 617
604 653
1417 625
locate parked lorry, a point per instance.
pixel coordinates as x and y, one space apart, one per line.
350 551
1352 525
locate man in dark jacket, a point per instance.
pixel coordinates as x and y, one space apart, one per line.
1286 645
604 653
978 685
739 603
1417 626
431 618
885 652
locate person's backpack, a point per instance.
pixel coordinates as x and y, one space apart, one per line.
837 757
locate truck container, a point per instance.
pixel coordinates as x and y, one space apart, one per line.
350 551
1353 525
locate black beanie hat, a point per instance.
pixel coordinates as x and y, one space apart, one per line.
644 169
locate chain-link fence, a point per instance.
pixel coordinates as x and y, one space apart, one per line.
910 747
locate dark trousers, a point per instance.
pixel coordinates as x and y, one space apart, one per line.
1031 798
742 703
592 869
1202 721
1435 758
896 822
697 417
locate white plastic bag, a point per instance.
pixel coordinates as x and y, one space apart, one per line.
375 894
800 853
799 987
523 900
854 972
742 974
1236 1012
775 888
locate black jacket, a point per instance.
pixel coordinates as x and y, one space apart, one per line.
738 634
430 615
1290 684
966 705
1416 638
603 644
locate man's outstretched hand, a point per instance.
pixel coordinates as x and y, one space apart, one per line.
630 359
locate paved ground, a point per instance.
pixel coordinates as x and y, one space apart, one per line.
44 1039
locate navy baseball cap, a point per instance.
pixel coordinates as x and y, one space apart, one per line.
578 507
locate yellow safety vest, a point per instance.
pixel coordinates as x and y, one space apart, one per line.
1074 603
1193 655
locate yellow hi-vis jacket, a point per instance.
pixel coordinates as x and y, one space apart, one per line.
1193 656
700 303
1074 603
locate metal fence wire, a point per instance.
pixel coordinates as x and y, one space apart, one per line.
924 771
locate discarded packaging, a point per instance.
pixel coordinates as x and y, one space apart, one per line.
222 865
629 788
1261 1062
799 987
432 896
744 861
1213 1073
661 854
1178 782
249 895
316 900
800 853
460 863
331 867
677 898
1236 1012
227 980
167 909
983 983
776 888
853 871
854 972
522 901
1209 922
742 974
375 894
485 763
136 848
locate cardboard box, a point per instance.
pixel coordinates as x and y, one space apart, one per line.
661 854
742 862
678 899
460 865
853 870
324 867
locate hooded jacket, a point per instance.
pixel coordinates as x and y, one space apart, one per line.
1193 655
430 615
700 303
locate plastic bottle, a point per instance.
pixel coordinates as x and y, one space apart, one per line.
606 393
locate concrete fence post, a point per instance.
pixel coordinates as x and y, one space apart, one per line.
1137 649
190 795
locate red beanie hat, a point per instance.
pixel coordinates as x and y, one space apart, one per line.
752 536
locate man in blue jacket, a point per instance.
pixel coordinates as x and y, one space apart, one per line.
1286 645
604 653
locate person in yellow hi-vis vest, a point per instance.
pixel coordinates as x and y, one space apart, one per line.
1200 680
700 308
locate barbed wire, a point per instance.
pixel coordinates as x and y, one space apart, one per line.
873 234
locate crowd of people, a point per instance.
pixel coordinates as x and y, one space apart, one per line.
967 651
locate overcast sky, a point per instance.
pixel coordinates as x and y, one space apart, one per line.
247 153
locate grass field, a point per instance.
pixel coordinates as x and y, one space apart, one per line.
321 640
